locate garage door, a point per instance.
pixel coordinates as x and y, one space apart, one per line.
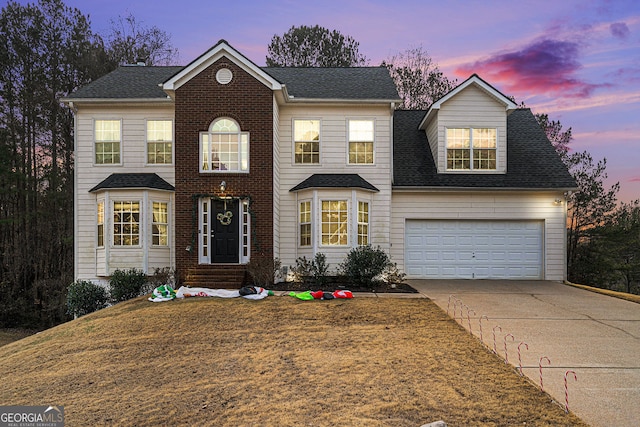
464 249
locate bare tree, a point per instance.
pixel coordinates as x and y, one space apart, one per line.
130 42
418 79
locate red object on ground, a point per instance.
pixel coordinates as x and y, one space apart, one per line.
317 294
343 294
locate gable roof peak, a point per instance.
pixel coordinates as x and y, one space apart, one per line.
221 49
474 80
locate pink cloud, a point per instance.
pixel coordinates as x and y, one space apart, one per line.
545 66
634 179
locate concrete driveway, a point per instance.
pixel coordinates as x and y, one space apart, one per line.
596 336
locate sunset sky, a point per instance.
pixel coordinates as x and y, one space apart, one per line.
577 60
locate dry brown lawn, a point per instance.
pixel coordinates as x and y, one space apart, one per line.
275 362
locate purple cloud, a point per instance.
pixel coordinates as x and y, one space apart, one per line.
545 66
619 30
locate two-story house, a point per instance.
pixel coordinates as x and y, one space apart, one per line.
205 167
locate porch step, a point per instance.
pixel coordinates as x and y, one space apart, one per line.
216 277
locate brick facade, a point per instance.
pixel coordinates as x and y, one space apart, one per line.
197 104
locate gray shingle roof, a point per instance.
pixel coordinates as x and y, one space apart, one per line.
336 83
128 82
335 180
358 83
133 180
532 162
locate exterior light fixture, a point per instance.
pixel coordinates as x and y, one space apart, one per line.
557 202
223 186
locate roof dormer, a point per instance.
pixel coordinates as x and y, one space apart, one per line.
467 128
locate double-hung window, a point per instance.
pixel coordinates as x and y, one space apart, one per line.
361 141
159 142
107 136
224 148
126 223
471 148
306 141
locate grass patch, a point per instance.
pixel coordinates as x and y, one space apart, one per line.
278 361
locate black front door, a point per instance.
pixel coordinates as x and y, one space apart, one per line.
225 231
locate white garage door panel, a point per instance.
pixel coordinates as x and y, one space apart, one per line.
469 249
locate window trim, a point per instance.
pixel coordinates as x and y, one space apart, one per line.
294 142
95 142
373 141
210 162
147 142
470 150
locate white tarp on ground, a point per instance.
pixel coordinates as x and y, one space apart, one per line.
185 292
165 293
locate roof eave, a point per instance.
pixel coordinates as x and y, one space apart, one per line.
292 99
142 187
104 101
411 188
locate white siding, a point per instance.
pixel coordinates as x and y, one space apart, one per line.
485 206
133 156
333 159
472 107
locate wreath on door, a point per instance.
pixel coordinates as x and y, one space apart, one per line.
225 218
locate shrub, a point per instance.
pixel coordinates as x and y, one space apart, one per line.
364 263
302 271
85 297
312 272
125 285
263 270
319 269
163 276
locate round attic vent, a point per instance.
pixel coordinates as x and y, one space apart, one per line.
224 76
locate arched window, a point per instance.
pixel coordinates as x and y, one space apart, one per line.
224 148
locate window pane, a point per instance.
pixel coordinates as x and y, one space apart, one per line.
335 227
160 221
225 148
458 138
484 138
307 130
107 130
458 159
484 159
307 141
159 141
363 223
126 223
361 130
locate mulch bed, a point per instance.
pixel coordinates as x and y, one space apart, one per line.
336 285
